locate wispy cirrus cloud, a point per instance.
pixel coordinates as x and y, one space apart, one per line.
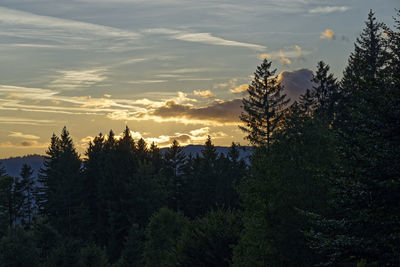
328 9
16 17
24 121
201 37
79 79
24 136
47 32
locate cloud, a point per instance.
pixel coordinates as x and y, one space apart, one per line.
24 121
204 94
190 70
147 81
53 32
231 83
225 112
196 136
79 79
328 9
327 34
16 17
296 82
179 108
233 86
286 54
239 89
24 136
202 37
23 144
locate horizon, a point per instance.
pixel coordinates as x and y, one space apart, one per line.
173 69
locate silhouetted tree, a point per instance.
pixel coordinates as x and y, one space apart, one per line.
174 159
61 193
27 187
264 106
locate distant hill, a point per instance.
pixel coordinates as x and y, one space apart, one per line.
13 165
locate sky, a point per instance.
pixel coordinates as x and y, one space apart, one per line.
169 69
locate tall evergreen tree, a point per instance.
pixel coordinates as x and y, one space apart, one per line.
94 170
27 185
325 91
364 225
9 209
263 108
174 159
61 192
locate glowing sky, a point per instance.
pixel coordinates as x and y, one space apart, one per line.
166 68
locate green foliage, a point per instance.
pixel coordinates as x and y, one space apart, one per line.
364 225
286 177
17 248
209 241
92 256
162 235
132 254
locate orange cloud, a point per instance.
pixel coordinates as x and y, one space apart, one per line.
327 34
204 94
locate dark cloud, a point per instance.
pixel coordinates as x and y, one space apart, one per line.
29 143
227 112
220 112
296 82
184 138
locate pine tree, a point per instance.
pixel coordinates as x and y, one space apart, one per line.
7 203
155 157
61 193
325 91
27 185
142 151
364 223
94 168
2 170
174 159
231 169
264 107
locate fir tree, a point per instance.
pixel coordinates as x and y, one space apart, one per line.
27 185
325 91
61 192
174 159
364 223
263 108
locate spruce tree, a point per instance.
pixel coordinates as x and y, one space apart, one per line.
8 207
60 195
264 106
94 170
174 159
364 224
27 185
324 91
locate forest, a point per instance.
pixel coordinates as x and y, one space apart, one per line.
322 187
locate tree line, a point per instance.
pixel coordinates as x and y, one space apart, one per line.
322 187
